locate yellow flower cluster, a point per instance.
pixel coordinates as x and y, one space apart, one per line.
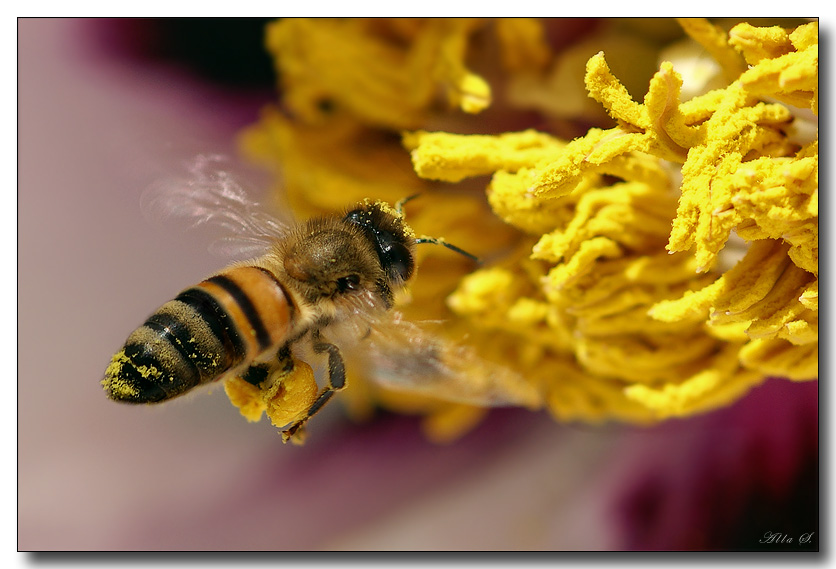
607 284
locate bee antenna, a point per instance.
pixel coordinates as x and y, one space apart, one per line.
435 240
439 241
399 205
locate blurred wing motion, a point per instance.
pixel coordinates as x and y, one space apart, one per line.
339 288
209 195
402 356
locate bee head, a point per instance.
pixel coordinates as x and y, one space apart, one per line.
391 238
333 259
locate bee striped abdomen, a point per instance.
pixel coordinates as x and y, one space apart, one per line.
223 322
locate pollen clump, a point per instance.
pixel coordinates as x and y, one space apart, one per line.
284 397
656 268
117 387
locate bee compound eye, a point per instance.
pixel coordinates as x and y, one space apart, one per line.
397 261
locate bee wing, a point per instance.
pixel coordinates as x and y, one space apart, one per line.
406 356
208 194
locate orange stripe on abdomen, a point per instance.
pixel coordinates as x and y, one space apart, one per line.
257 305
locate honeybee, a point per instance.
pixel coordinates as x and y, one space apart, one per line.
326 284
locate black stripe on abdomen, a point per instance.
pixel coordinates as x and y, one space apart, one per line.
218 321
246 306
195 353
145 386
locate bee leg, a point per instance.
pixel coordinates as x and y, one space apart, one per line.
256 374
285 358
336 382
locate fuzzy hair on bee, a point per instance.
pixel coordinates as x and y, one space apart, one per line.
320 287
